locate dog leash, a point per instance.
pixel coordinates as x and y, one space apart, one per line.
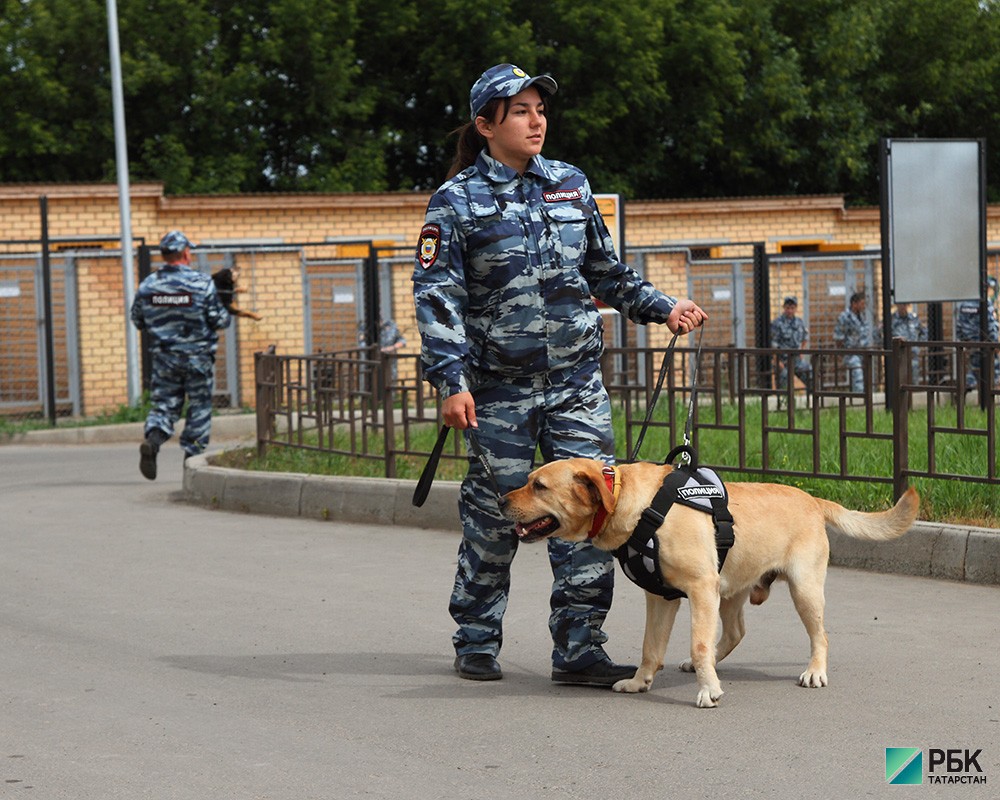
664 366
427 476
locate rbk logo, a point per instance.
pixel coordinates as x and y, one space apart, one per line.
904 765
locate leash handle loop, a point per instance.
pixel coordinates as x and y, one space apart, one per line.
427 476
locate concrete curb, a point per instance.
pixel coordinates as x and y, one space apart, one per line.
382 501
928 550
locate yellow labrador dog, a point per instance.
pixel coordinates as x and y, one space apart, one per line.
780 534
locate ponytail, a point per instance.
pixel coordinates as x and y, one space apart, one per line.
470 143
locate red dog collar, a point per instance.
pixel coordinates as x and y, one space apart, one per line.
614 485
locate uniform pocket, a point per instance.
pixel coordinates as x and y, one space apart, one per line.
567 226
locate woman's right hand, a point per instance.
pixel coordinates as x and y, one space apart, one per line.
459 411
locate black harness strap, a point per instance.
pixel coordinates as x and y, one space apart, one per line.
639 556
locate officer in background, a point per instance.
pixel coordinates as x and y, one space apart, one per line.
967 330
853 332
180 310
390 340
512 249
906 325
789 333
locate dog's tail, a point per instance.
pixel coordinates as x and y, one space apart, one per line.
874 526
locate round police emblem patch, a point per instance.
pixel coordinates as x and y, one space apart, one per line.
520 73
429 245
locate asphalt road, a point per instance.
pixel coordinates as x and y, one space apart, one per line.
150 648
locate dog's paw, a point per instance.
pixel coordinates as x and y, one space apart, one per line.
686 665
708 698
812 679
631 686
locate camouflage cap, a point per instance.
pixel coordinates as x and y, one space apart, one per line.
505 80
175 242
791 300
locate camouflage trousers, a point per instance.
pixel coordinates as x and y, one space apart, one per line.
855 373
174 378
802 368
563 414
972 373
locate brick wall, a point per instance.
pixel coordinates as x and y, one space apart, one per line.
390 218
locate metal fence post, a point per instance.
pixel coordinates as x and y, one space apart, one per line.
265 376
762 304
900 405
388 416
48 328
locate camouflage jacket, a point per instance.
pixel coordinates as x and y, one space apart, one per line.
967 321
908 328
180 309
505 272
788 332
852 331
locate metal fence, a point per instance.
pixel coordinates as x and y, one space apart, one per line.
930 426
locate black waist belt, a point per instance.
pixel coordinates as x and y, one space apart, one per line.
689 485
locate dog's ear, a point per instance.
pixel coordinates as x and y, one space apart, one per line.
591 477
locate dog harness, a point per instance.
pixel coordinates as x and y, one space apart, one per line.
691 486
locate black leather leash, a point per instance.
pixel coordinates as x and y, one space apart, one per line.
664 366
427 476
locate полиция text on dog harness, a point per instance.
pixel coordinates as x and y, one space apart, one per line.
699 488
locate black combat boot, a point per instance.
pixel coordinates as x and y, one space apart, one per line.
148 450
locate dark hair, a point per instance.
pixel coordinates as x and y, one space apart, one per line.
470 142
857 296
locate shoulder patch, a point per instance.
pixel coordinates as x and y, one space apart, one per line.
429 245
562 195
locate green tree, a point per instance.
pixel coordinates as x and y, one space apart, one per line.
659 98
53 82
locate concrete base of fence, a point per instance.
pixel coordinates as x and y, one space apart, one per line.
930 550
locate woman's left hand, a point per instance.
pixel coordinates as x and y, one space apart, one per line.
685 317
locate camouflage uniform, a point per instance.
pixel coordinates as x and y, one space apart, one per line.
910 328
180 310
505 269
967 330
790 333
853 332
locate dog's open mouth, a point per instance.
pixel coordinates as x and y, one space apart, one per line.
539 529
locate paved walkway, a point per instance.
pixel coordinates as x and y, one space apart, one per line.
151 647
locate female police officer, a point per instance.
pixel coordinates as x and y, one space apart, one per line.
512 250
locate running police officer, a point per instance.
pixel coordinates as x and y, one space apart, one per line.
180 310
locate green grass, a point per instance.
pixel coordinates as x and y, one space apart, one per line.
942 500
122 414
